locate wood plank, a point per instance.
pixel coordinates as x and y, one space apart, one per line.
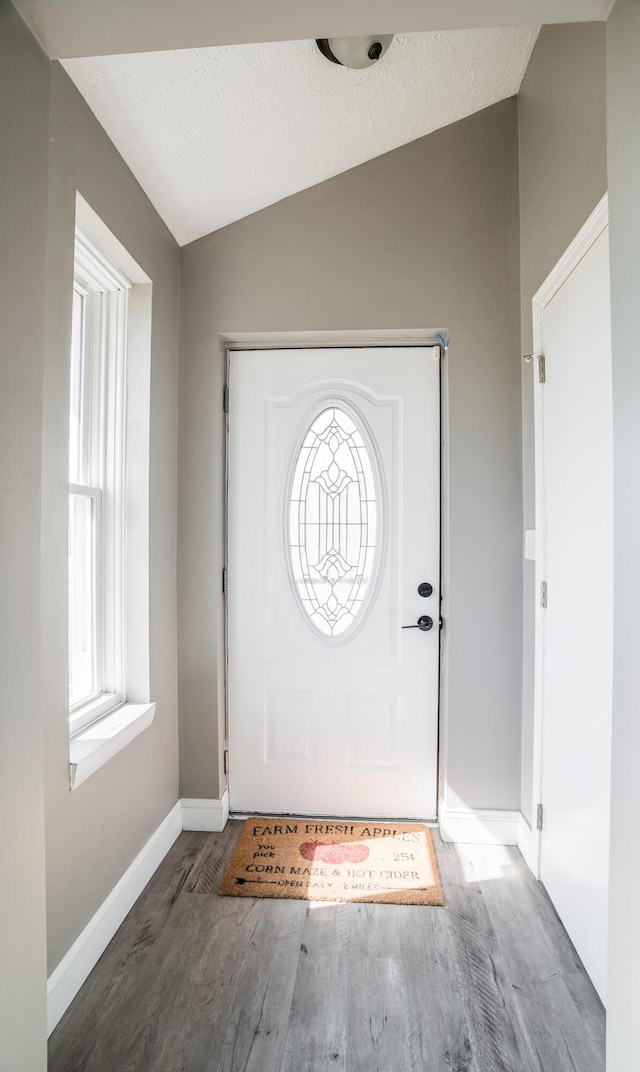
258 1018
554 998
403 993
497 1040
225 1012
213 860
318 1024
438 1030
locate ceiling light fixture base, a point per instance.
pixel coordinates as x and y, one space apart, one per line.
354 52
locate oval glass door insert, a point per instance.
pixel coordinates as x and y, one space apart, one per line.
333 522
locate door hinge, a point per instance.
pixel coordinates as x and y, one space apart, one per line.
542 369
225 398
543 593
226 761
539 816
225 581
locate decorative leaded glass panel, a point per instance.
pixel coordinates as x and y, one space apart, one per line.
333 522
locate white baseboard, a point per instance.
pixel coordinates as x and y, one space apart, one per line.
65 981
205 814
479 827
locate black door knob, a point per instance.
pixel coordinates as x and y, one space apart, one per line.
425 589
425 623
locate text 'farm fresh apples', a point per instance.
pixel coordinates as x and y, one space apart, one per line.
330 853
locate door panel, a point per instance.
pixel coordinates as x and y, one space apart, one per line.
333 522
578 621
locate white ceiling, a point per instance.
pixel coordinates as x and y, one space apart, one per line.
213 134
96 28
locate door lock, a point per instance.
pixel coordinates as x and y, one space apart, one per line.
425 589
424 622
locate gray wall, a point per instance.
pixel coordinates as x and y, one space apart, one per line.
93 833
24 91
424 236
563 175
623 92
51 146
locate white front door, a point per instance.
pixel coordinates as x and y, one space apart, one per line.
334 525
577 433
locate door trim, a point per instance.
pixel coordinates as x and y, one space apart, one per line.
581 244
350 339
316 340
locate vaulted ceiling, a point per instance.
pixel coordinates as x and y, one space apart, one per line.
215 134
221 108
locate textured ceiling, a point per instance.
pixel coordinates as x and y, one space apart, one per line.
215 134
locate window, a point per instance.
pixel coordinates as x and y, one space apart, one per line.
109 422
333 522
97 521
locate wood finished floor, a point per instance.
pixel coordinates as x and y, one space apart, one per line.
196 983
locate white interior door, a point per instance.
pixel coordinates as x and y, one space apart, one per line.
334 523
578 620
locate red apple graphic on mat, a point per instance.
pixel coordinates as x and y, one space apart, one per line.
327 852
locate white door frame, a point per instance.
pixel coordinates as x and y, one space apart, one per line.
592 229
394 337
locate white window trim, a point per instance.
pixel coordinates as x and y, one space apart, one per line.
105 289
110 721
94 746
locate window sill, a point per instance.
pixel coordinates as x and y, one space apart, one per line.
93 747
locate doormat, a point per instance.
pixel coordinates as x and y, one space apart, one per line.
318 860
